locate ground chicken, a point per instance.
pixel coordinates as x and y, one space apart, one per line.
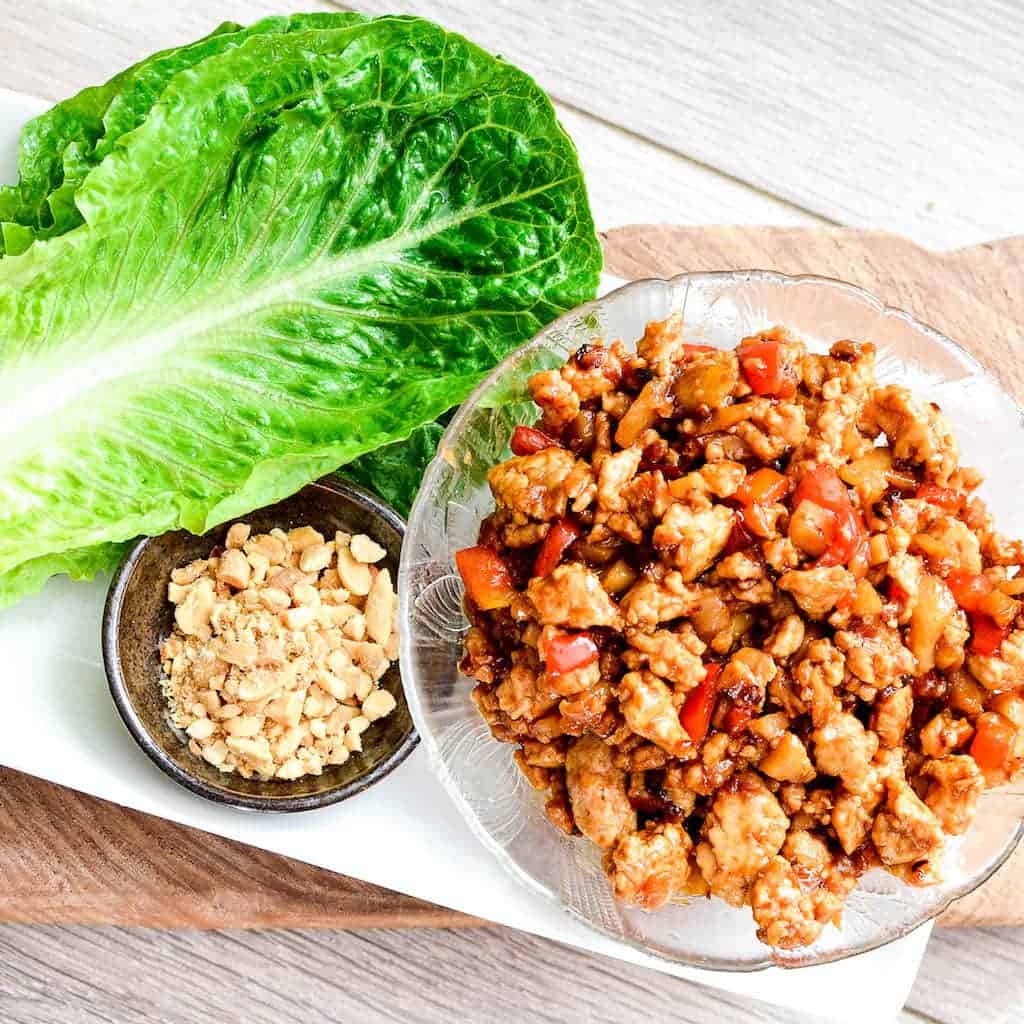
799 892
745 827
597 792
891 715
875 654
648 707
662 345
673 655
558 402
783 910
572 596
691 540
844 748
772 429
852 815
746 676
915 430
954 788
818 591
817 677
615 473
948 544
650 602
537 486
905 830
944 733
786 638
522 694
651 866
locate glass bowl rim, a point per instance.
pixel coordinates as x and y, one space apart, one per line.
438 465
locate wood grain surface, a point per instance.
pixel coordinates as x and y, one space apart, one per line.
71 858
867 113
68 857
626 173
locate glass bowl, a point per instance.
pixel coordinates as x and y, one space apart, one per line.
478 772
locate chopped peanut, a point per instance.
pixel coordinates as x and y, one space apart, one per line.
304 537
379 608
378 704
271 548
237 535
234 569
355 576
354 626
271 669
315 558
365 550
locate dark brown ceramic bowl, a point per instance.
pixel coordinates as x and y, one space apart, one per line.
138 617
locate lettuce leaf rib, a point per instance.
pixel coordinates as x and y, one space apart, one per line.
314 243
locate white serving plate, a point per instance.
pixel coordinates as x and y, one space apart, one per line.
60 725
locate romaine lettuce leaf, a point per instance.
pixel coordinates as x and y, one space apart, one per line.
314 243
80 564
72 127
62 145
395 471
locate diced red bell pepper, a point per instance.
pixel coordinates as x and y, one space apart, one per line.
860 561
559 537
987 635
530 440
756 520
764 369
486 576
993 742
942 497
695 716
849 535
739 539
569 651
897 594
765 486
968 588
822 487
690 350
738 717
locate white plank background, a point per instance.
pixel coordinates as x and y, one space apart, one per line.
902 115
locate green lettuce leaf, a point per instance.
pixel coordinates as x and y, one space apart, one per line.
395 471
73 126
314 243
80 564
62 145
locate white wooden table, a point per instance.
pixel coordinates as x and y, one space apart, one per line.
905 116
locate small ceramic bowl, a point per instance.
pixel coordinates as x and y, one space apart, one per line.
138 617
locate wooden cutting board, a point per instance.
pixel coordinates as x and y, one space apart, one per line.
68 858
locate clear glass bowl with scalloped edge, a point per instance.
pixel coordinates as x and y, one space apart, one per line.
478 772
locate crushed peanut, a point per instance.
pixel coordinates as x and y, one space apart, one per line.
279 643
